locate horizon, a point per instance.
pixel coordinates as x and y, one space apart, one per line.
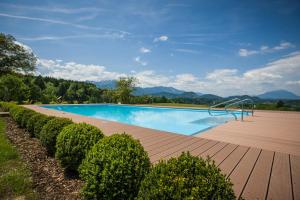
224 49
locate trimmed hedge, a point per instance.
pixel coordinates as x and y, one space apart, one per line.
38 125
50 131
26 116
114 168
31 122
17 114
186 177
73 142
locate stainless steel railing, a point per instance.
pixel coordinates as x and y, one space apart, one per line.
242 103
222 103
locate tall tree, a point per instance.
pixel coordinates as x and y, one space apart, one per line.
15 57
125 87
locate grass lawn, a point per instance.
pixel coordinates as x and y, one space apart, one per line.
180 105
15 179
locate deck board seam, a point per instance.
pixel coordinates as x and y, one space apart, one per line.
181 142
250 174
220 149
270 175
238 162
177 149
209 148
228 155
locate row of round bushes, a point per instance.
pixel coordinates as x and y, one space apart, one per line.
118 167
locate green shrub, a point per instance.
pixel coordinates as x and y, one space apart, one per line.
26 116
50 131
6 106
73 142
31 123
17 114
186 177
114 168
38 125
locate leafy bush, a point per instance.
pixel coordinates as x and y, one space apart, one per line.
26 116
17 114
6 106
186 177
31 123
114 168
38 125
73 142
50 131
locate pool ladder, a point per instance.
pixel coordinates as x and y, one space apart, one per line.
232 102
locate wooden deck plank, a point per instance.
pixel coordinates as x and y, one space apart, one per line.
220 156
178 152
233 159
203 148
215 149
243 170
280 183
161 148
258 182
295 170
173 149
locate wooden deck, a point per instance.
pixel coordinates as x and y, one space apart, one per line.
257 173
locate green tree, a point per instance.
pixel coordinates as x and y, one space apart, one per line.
14 56
12 88
39 81
125 87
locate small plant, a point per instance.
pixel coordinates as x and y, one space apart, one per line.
73 142
50 131
186 177
38 125
114 168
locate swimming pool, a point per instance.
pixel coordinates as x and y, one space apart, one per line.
177 120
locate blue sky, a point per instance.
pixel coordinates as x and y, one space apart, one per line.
221 47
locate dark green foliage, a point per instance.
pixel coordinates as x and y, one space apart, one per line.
186 177
26 116
279 104
38 125
14 56
114 168
73 142
50 131
31 123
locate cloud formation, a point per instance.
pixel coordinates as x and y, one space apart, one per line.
140 61
265 49
145 50
161 38
283 73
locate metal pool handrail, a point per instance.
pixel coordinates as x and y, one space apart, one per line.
241 102
222 103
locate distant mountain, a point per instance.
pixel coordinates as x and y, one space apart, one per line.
278 94
155 90
109 84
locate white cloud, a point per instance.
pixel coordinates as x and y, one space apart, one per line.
162 38
245 52
75 71
60 22
188 51
139 61
265 49
145 50
283 73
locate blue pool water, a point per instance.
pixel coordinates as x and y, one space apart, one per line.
176 120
